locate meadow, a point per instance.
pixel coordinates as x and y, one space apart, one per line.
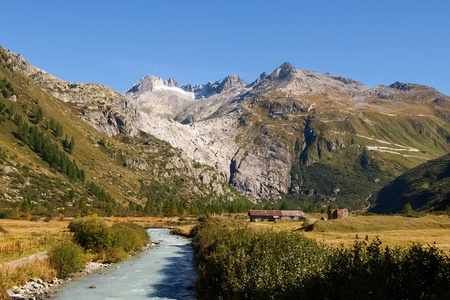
392 230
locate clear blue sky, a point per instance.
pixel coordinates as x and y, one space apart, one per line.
118 42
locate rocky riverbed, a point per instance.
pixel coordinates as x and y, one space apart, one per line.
40 289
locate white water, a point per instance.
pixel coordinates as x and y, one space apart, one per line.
160 273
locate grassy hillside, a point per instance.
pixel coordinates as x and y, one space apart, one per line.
121 175
425 187
343 152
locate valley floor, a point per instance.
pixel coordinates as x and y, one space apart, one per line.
25 238
391 230
32 238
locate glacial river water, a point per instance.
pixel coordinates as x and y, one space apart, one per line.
163 272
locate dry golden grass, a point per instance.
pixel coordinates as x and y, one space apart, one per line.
24 238
156 222
17 274
183 229
392 230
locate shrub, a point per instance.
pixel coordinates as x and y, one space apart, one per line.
247 264
91 233
115 254
67 258
130 237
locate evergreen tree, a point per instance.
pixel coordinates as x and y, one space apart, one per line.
58 130
65 143
52 124
39 115
71 145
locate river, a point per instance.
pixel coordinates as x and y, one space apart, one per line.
163 272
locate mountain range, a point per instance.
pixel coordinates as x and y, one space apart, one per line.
298 136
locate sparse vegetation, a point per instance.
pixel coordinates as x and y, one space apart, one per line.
49 151
6 88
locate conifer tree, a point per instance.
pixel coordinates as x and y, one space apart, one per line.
71 145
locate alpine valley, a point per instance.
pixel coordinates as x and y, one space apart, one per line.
307 139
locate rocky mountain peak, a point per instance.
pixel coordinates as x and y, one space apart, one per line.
402 86
285 71
230 82
146 84
263 76
171 83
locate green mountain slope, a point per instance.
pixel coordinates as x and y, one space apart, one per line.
425 187
52 162
342 155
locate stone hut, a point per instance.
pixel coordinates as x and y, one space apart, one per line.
275 215
337 213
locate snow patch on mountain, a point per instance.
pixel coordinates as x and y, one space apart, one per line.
174 89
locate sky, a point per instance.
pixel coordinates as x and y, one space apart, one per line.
116 43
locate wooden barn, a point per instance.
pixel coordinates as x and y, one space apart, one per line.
275 215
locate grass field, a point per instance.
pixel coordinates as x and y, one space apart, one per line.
392 230
24 238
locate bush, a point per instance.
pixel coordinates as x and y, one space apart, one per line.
91 233
254 265
130 237
67 258
115 254
247 264
414 272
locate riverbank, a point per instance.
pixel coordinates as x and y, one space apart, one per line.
27 242
163 272
25 246
41 289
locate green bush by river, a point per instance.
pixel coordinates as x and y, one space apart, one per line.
94 236
242 263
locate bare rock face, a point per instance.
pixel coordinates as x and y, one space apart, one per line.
262 172
210 141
